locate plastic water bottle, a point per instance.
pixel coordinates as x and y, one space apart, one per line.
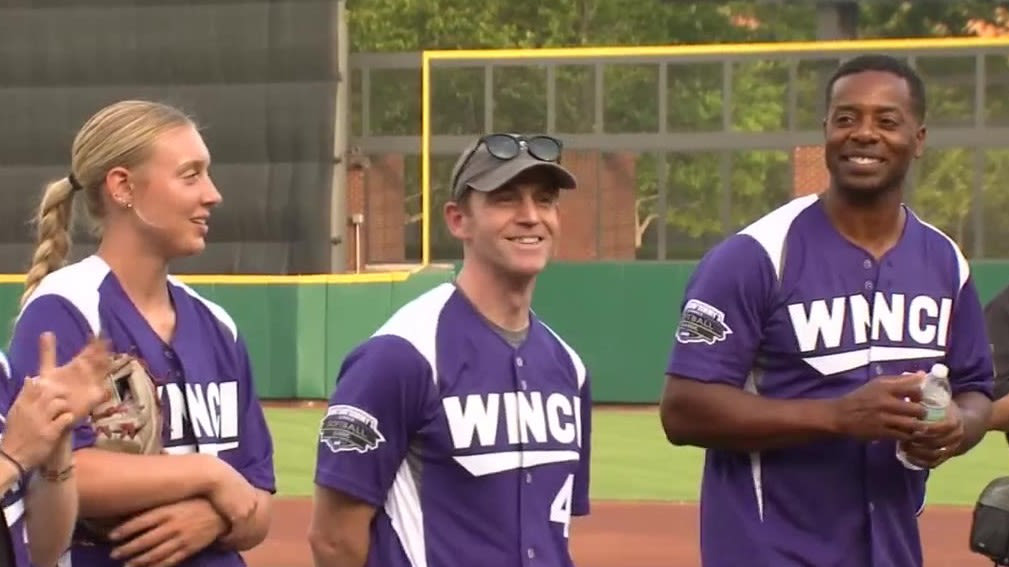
936 395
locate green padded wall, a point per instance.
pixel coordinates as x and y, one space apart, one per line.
618 315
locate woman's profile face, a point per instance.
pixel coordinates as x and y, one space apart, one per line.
174 196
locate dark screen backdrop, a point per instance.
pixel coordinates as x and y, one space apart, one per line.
259 76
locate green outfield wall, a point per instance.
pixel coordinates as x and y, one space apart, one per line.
618 315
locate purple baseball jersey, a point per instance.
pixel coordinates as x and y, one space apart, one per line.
788 308
13 500
205 383
472 450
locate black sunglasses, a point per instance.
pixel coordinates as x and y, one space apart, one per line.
509 146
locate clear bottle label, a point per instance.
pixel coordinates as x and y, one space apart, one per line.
934 413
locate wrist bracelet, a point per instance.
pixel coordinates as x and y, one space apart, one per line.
17 465
56 476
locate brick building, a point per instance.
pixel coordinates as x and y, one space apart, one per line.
598 219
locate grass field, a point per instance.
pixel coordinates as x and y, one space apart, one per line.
628 444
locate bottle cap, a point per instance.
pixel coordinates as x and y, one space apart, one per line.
939 371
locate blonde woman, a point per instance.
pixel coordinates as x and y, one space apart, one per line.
142 172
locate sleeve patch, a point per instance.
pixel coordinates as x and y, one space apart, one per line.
702 323
347 428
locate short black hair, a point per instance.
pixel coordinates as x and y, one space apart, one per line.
886 64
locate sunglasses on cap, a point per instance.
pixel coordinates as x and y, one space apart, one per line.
508 146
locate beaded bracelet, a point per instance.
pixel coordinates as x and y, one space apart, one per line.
17 465
56 476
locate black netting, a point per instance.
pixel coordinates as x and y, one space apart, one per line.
259 77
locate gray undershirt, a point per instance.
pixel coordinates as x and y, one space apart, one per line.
513 338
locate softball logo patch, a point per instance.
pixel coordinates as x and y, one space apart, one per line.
702 323
347 428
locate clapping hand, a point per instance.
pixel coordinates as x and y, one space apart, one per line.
83 378
44 409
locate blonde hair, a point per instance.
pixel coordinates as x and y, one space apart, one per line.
119 135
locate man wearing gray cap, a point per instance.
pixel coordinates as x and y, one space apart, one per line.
459 433
503 206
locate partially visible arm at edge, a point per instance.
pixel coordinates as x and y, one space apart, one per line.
999 420
975 412
51 510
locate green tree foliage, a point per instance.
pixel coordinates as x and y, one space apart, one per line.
708 194
946 191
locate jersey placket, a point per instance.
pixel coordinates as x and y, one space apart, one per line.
177 377
526 491
873 274
175 367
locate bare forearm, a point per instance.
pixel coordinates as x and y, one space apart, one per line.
335 550
51 510
50 514
340 531
723 417
115 484
251 533
999 420
975 413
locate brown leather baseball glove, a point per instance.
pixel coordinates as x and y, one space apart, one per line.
128 421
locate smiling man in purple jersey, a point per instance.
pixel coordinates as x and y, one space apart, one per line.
459 433
789 361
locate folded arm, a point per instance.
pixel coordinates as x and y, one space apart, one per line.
257 465
117 484
251 532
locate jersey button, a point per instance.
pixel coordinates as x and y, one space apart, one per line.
525 386
868 285
530 553
519 362
529 478
867 264
169 354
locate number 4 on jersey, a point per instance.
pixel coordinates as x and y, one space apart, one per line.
560 509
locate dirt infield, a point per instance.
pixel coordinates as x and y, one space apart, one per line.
624 534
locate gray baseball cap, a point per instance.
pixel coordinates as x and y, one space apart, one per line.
486 173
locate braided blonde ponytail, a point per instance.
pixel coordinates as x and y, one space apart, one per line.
52 234
120 135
